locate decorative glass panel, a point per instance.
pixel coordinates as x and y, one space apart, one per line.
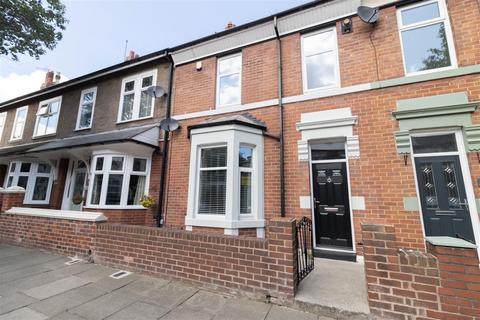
245 158
426 48
44 168
328 151
432 144
145 105
212 194
117 164
97 188
214 157
245 192
147 81
421 13
136 189
451 185
428 186
129 86
25 167
139 165
99 164
22 182
114 189
40 188
127 109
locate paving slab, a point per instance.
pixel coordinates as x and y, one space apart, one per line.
14 301
23 314
207 301
105 305
283 313
170 295
63 302
108 284
140 311
67 316
56 287
144 286
242 309
186 313
96 273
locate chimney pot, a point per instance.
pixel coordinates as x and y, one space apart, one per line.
131 56
48 79
230 25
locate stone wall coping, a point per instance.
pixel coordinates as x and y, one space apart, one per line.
13 189
450 242
58 214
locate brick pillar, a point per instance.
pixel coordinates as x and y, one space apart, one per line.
11 197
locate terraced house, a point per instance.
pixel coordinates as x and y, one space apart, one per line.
89 143
357 115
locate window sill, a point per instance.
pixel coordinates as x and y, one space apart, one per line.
44 136
334 86
430 71
15 140
115 207
222 223
136 119
82 129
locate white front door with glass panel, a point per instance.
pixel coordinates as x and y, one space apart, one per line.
75 187
444 186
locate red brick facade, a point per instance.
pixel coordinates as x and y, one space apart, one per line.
442 283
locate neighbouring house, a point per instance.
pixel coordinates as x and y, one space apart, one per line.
366 125
91 143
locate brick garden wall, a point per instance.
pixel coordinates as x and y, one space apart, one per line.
257 267
441 283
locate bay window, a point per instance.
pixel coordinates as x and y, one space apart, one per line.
226 179
135 102
118 181
47 117
426 37
35 178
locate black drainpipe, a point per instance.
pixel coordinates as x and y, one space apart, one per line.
280 106
166 137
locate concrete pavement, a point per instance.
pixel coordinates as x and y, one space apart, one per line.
35 286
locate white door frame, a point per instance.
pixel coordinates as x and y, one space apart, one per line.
467 178
312 202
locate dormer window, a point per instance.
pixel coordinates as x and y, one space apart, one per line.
47 117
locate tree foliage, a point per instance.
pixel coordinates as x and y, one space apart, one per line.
438 57
30 26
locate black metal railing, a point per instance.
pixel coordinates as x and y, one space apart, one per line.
304 246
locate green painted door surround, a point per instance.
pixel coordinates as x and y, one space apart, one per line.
435 112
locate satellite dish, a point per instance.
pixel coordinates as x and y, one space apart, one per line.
169 124
367 14
156 91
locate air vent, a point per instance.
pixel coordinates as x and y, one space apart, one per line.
120 274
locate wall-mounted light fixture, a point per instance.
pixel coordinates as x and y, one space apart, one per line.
347 26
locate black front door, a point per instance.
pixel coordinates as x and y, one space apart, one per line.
332 212
443 198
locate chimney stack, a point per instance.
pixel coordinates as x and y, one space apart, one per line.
57 77
131 56
48 80
230 25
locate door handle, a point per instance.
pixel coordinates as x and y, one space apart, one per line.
331 209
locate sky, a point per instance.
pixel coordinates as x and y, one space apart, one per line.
97 31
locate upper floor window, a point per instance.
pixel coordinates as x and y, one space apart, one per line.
35 178
229 80
426 37
47 117
19 123
135 102
118 180
3 117
85 110
320 60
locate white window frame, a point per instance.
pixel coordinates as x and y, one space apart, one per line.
253 177
33 174
304 64
219 60
15 123
448 32
37 118
80 106
3 118
137 90
233 136
127 171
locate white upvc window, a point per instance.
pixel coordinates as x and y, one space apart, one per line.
229 80
36 178
118 181
320 66
47 117
19 123
3 117
226 179
135 102
426 37
86 108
